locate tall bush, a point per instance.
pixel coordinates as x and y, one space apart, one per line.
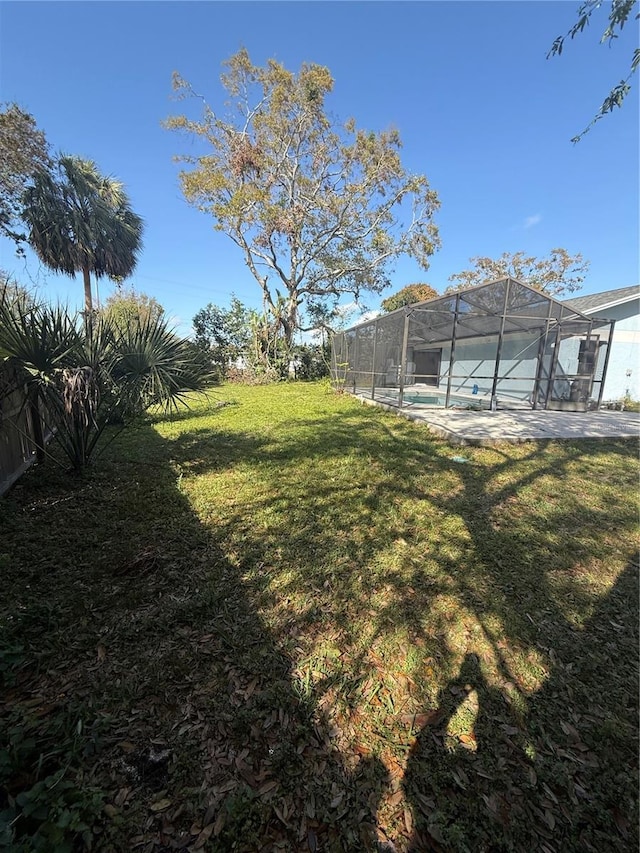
82 377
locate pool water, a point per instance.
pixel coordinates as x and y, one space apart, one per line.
421 398
440 400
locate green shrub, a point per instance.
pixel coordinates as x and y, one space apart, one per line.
45 807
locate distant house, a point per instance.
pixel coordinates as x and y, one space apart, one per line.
623 306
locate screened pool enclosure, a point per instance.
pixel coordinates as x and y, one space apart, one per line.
500 345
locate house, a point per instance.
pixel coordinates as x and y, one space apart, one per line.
623 306
501 344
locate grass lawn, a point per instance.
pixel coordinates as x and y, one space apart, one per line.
297 623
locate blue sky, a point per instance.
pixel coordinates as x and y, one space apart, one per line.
480 111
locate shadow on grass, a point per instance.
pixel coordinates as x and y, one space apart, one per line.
557 778
521 571
187 634
517 563
561 775
131 617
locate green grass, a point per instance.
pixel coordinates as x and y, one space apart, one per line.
296 623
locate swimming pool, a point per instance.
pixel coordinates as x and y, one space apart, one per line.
440 400
428 399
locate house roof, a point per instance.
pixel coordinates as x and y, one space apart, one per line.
598 302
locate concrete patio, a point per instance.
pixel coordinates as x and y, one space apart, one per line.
486 428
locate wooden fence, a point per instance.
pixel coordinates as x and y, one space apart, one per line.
17 434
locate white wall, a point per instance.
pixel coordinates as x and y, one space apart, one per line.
475 359
625 352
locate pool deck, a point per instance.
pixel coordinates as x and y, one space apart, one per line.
487 428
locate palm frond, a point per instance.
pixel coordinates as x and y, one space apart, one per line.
156 368
87 375
81 220
40 338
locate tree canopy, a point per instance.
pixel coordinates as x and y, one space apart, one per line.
555 274
619 13
24 152
409 295
224 333
81 221
316 207
127 305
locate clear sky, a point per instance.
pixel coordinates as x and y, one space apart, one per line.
479 108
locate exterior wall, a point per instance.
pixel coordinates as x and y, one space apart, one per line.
623 372
474 366
475 363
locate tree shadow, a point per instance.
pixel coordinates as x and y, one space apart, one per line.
563 776
482 776
521 585
136 623
204 618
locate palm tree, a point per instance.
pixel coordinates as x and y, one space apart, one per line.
85 378
81 221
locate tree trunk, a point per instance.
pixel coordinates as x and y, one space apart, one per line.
290 321
36 426
88 301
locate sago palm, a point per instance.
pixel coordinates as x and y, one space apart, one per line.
81 221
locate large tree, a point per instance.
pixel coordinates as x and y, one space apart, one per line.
317 209
619 12
24 152
409 295
556 274
81 221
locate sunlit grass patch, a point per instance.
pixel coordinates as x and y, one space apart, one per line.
330 625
